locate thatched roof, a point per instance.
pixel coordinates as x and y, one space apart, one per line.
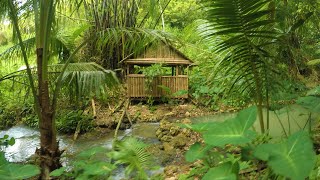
160 53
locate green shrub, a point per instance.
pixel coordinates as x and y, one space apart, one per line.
9 115
67 122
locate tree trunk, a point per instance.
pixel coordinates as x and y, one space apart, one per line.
49 152
259 96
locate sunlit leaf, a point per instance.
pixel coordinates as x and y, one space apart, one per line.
196 152
224 171
294 158
58 172
11 171
312 103
233 131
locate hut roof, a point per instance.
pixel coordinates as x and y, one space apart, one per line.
160 53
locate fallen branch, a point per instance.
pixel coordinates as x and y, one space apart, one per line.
76 133
126 110
120 120
118 107
94 113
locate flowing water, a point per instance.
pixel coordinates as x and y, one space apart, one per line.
27 140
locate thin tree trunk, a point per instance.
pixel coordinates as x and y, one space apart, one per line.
259 96
49 152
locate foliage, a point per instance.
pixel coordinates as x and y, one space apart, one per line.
89 164
134 155
150 73
224 171
14 112
120 29
241 32
179 14
69 121
233 131
5 141
93 164
12 171
293 158
311 101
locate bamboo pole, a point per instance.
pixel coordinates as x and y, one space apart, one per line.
120 120
94 113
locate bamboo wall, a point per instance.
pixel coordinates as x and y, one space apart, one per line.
137 86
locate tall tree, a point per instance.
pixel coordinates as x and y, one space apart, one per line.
45 98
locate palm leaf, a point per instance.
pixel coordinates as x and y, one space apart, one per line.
133 153
242 26
62 43
86 77
242 32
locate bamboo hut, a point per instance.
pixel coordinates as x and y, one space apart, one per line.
176 63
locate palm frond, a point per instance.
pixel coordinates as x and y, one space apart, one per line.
133 153
245 31
241 30
15 50
86 78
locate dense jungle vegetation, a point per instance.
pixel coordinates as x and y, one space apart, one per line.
58 58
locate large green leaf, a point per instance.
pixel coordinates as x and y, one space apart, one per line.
233 131
312 103
225 171
95 169
10 171
201 127
293 158
196 152
58 172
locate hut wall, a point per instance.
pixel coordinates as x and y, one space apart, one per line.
137 86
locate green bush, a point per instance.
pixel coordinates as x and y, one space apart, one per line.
9 115
67 122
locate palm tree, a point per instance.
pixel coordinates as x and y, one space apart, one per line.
44 102
241 32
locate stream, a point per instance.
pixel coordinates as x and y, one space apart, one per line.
27 140
293 118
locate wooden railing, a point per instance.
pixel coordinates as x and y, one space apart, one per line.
137 86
